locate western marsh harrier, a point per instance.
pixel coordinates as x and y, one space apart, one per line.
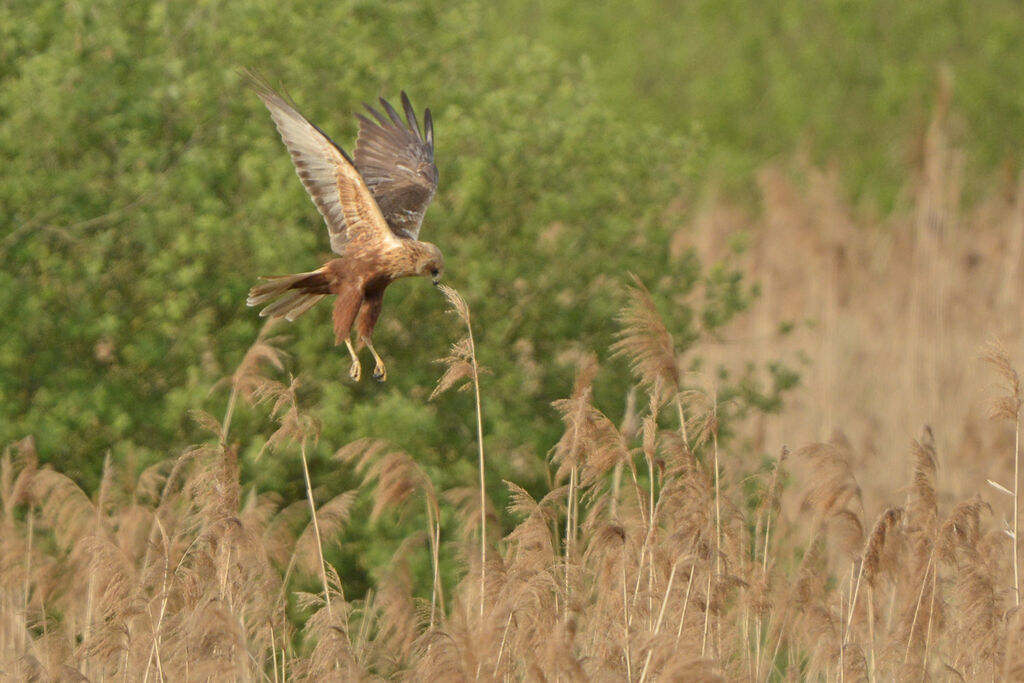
373 206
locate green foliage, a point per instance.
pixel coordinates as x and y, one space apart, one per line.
852 82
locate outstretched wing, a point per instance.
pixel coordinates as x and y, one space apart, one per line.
396 160
327 172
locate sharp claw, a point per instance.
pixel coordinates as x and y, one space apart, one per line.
380 373
355 371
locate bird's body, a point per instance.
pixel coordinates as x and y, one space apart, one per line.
373 207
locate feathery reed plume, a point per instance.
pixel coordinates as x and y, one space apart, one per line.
648 345
461 363
872 559
1007 407
397 477
528 601
299 427
870 564
832 490
646 341
961 532
16 475
590 446
977 613
921 506
246 381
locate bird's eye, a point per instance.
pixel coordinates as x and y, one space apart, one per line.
434 272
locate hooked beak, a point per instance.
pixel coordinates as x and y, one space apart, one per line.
437 282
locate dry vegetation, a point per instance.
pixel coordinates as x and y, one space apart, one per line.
656 554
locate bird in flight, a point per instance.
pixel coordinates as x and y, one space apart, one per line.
373 205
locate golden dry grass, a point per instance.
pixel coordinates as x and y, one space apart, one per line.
658 553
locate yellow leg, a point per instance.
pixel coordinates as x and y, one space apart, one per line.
380 373
355 371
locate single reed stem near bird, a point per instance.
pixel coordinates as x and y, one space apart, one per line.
461 364
373 205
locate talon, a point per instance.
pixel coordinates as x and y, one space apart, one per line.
379 372
355 371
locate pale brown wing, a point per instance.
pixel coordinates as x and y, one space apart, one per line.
330 178
396 160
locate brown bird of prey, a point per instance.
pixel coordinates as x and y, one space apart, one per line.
373 206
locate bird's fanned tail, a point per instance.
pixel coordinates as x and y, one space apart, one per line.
289 296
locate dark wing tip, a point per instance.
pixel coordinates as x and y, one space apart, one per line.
381 121
410 116
395 118
428 127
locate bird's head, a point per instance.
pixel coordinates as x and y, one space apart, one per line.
431 263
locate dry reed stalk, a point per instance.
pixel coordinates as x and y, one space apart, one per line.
154 653
661 616
769 502
929 571
627 618
296 426
316 524
29 524
647 515
571 454
461 364
105 481
707 615
870 561
1008 407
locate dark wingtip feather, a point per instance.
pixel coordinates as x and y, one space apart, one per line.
381 121
410 116
428 125
392 113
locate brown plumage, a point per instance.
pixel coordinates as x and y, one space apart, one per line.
373 207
